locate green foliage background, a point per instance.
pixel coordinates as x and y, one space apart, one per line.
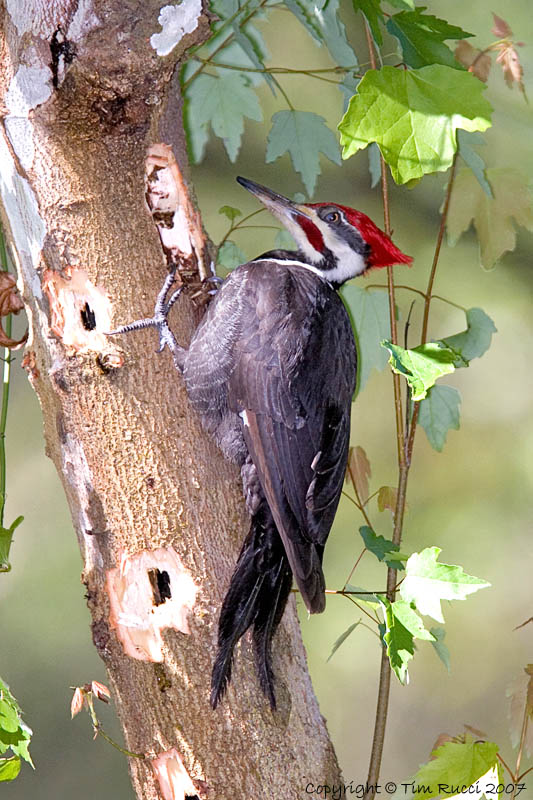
473 499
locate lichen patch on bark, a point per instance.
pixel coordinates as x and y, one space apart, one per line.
148 592
175 21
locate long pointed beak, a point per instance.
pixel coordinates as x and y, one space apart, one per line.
276 203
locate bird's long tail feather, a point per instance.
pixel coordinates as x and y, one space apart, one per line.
257 596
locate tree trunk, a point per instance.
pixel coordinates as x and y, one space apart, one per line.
95 208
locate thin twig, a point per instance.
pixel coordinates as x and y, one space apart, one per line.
427 304
505 765
363 551
521 748
361 505
417 291
238 225
97 728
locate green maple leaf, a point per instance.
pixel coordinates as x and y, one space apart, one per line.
413 116
366 598
303 135
369 313
14 733
475 341
439 412
458 764
398 642
230 212
408 5
221 101
9 768
422 38
230 255
326 27
401 626
427 582
342 638
6 539
410 620
422 366
472 159
440 648
495 217
384 549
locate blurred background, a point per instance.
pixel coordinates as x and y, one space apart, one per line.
473 500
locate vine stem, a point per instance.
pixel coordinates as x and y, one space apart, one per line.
405 442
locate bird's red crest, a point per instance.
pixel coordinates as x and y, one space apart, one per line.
383 251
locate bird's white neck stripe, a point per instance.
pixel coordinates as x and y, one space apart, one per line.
286 263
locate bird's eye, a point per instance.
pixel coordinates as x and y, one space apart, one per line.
332 217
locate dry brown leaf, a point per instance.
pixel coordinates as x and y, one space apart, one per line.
523 624
100 691
500 28
475 731
518 693
441 739
78 700
510 63
359 471
387 497
529 694
477 62
10 303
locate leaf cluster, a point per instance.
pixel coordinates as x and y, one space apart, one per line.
425 584
14 735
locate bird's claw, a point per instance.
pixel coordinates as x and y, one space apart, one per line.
159 320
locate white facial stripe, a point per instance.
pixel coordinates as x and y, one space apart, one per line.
299 236
349 263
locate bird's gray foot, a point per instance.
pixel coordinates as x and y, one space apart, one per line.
159 321
214 279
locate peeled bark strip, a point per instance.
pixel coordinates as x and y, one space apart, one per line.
95 206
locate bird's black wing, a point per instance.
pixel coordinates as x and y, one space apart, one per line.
292 386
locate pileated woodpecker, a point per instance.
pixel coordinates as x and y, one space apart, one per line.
271 371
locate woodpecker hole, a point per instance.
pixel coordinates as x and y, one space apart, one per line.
160 583
88 317
60 48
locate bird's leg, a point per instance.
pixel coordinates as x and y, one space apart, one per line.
216 281
160 321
